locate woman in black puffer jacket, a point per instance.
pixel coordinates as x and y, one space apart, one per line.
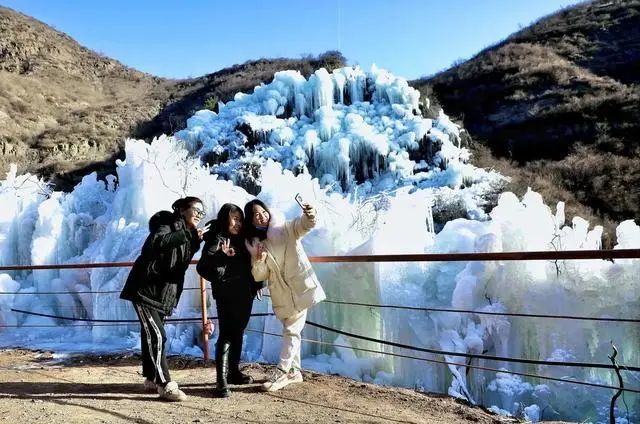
226 263
155 284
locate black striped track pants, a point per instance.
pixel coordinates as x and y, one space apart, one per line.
152 342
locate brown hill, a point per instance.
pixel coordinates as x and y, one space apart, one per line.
557 107
66 110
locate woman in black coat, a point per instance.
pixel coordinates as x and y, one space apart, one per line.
225 262
155 284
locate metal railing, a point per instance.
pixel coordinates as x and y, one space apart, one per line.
433 257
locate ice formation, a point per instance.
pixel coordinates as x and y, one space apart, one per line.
356 145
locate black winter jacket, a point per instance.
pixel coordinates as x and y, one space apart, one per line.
230 276
157 277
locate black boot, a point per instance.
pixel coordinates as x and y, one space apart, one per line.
236 376
222 369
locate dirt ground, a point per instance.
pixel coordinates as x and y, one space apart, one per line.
35 388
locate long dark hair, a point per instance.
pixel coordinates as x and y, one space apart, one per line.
185 203
250 230
222 221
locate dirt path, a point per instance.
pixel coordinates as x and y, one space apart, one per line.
36 389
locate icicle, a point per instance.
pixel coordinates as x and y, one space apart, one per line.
339 80
327 122
321 84
311 142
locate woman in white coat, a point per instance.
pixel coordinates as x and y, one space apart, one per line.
278 257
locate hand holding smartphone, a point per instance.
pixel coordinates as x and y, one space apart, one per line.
308 210
300 200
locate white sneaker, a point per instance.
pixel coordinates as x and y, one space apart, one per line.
280 379
150 386
276 381
171 392
295 376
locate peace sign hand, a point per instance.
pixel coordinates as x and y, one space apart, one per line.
227 248
202 231
261 253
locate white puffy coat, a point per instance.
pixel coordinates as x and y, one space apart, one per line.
292 283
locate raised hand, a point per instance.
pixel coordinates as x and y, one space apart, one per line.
209 327
227 248
202 231
309 210
261 253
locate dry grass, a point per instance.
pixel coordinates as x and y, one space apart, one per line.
65 110
557 107
556 182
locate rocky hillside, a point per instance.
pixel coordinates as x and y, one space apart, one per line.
66 110
557 107
64 107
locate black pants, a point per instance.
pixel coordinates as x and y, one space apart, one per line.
233 317
152 343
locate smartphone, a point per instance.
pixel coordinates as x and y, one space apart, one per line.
299 200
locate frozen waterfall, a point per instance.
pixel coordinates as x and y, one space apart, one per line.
352 143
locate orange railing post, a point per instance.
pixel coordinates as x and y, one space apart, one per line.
205 332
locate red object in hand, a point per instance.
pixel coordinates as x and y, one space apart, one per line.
209 327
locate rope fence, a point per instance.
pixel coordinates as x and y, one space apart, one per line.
437 257
439 361
384 342
374 305
365 338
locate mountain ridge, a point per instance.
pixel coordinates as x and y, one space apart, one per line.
66 110
556 106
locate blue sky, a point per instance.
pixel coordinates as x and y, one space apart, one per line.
180 39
